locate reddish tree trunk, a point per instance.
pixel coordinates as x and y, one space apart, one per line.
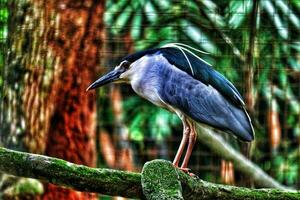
77 43
54 52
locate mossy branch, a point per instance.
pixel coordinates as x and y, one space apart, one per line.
159 182
159 179
63 173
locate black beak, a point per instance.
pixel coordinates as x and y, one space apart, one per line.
107 78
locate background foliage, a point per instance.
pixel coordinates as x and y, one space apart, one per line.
249 41
268 43
3 35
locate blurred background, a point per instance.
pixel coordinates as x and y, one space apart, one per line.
52 50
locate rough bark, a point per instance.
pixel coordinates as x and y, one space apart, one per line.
25 110
77 42
28 73
54 50
77 45
159 179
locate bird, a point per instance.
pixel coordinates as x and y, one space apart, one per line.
175 78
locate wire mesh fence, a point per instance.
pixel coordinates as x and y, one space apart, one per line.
239 37
274 62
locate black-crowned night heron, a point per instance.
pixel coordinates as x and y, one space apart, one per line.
175 78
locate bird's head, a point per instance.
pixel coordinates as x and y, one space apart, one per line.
119 74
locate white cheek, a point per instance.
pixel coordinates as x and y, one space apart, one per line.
125 77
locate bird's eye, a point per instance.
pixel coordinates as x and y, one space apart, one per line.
125 64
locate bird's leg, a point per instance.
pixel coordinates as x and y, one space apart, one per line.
192 140
186 133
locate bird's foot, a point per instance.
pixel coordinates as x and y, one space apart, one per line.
184 169
187 171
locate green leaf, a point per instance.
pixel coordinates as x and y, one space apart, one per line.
198 37
238 11
163 4
135 128
288 12
113 11
274 17
136 26
297 130
150 12
123 19
295 65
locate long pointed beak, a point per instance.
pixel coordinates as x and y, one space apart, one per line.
107 78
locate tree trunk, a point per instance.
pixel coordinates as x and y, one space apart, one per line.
54 53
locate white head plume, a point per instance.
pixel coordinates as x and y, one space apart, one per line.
187 48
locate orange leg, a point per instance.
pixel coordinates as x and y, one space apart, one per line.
186 133
192 141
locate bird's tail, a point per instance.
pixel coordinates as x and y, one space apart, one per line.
251 129
242 127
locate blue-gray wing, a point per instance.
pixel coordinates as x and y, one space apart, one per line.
201 70
204 104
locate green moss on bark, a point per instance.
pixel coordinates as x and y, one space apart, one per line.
63 173
159 180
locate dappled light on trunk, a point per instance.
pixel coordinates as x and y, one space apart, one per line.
227 172
274 127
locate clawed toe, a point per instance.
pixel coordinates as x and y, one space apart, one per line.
191 174
184 169
187 171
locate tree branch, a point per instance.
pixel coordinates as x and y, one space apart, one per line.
63 173
158 173
220 147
